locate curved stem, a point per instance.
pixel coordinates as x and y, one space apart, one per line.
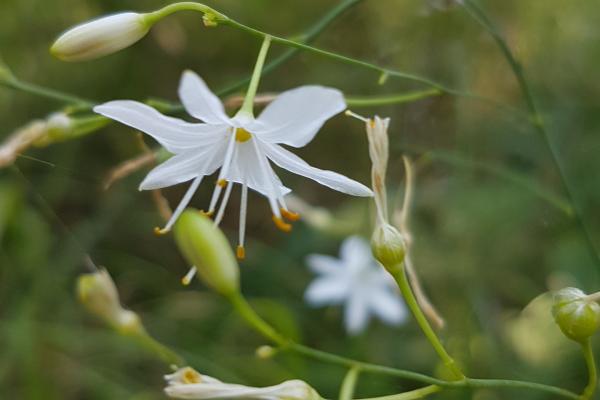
399 274
248 105
38 90
412 395
241 305
360 101
349 384
535 117
588 354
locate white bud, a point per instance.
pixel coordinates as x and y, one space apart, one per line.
101 37
186 383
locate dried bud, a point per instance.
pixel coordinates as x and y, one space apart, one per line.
205 246
388 246
101 37
98 293
576 315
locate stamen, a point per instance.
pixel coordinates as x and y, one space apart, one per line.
240 252
357 116
222 173
281 224
242 135
222 182
187 279
208 214
289 215
243 211
221 212
185 200
264 169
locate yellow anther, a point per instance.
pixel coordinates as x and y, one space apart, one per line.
160 231
242 135
208 214
187 279
290 216
222 183
283 226
190 376
240 252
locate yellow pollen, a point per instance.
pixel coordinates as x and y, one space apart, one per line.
160 232
290 216
240 252
281 224
222 183
242 135
190 376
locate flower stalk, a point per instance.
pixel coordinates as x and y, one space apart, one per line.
588 354
248 104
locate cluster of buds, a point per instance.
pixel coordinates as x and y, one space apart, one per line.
577 314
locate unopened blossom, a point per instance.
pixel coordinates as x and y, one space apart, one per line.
101 36
241 148
186 383
358 282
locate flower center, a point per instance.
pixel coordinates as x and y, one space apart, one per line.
242 135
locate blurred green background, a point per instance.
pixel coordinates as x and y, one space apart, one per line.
485 245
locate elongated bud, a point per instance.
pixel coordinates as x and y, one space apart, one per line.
388 246
101 37
98 293
576 315
205 246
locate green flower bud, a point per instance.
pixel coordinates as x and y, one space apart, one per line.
98 293
100 37
388 246
206 247
577 317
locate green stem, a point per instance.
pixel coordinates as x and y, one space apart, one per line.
349 384
535 117
412 395
241 305
248 105
31 88
588 354
399 274
359 101
160 350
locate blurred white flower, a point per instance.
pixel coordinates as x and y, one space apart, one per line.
357 281
186 383
242 146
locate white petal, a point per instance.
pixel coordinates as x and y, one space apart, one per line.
324 265
388 306
287 160
326 291
356 250
357 312
173 134
246 167
199 101
185 166
296 116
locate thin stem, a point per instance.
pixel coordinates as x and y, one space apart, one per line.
535 117
588 354
349 384
399 274
160 350
248 105
38 90
412 395
241 305
356 101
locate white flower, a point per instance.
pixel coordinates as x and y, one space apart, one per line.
359 282
101 36
186 383
242 146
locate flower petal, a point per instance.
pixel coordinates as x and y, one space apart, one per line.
287 160
356 250
388 306
185 166
324 265
295 116
328 290
199 101
173 134
356 313
247 167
